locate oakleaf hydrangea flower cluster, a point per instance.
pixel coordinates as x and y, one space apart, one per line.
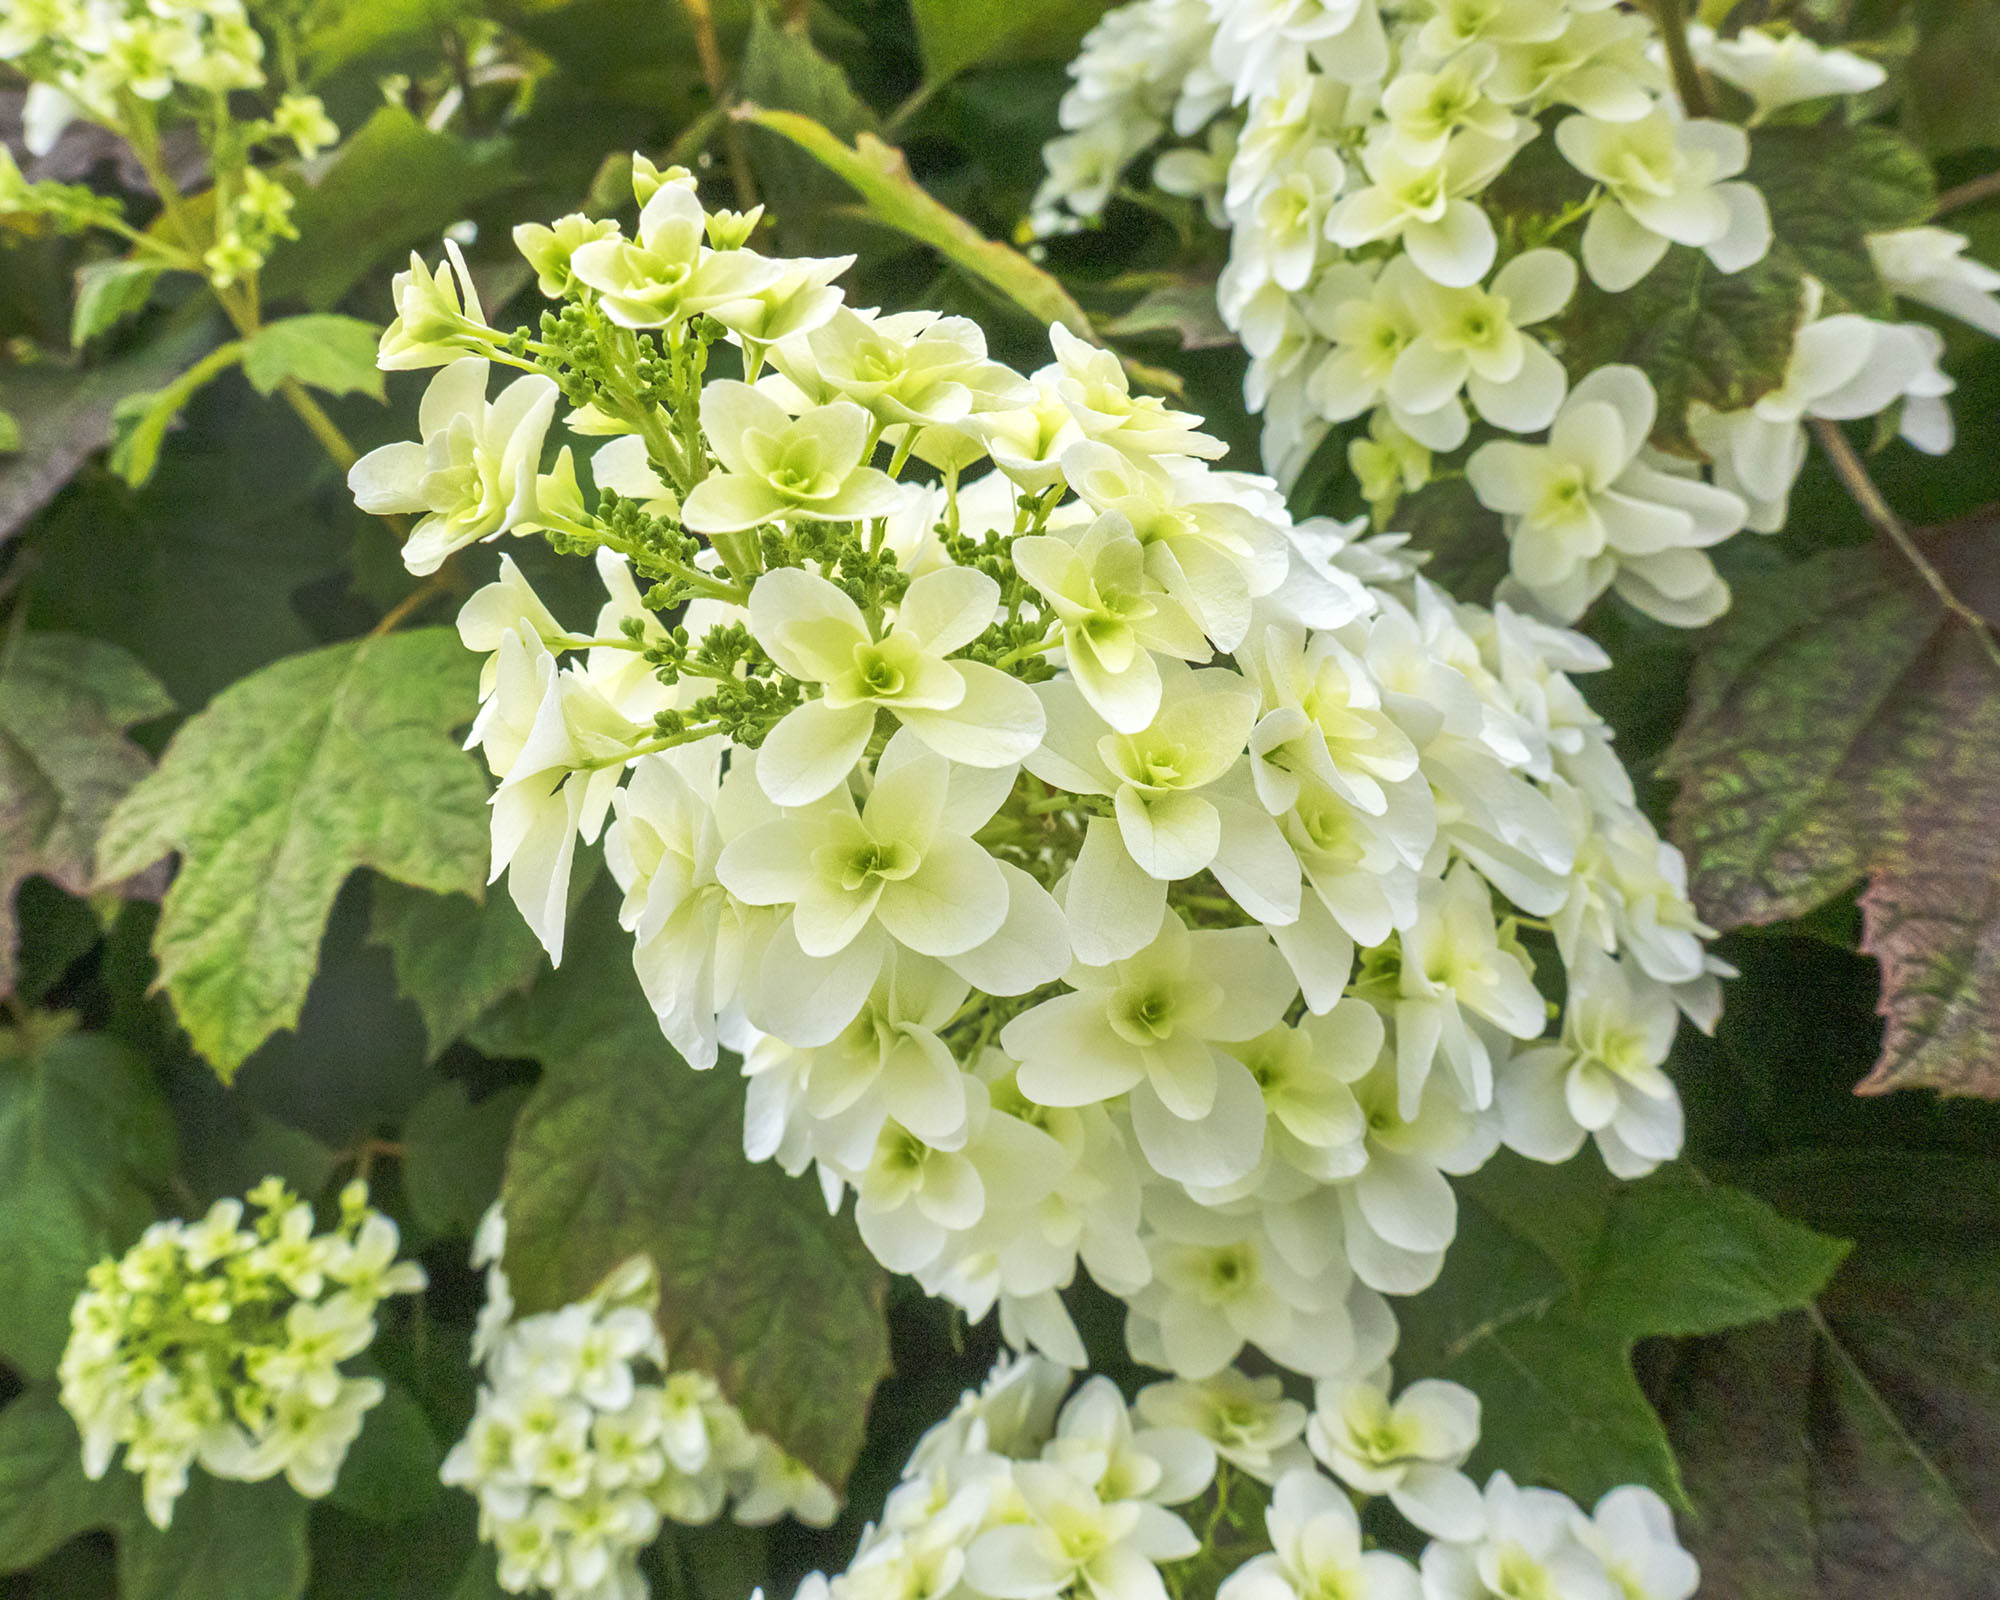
1022 1493
1089 867
583 1440
135 65
1358 151
219 1344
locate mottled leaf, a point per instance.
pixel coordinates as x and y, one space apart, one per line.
65 761
622 1150
1828 187
288 781
1841 726
63 416
1699 334
85 1144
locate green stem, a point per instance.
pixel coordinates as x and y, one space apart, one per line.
1688 81
666 741
1041 648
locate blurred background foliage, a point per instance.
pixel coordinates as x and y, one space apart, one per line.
1848 1445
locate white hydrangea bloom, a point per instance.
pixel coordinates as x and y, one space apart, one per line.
1011 1498
1664 182
1928 265
1095 872
1348 151
219 1344
582 1441
1780 68
1248 1420
1316 1549
1842 367
473 475
1532 1543
1409 1449
1589 509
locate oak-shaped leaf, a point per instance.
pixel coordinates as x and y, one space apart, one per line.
1556 1275
65 761
454 956
1853 1451
1842 725
291 778
623 1150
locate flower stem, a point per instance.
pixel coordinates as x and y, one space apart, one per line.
1854 478
1967 194
716 74
1688 81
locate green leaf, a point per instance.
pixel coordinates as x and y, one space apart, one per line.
65 762
394 185
140 421
453 1153
1952 101
215 557
63 416
1829 186
1854 1450
623 1151
1182 306
1545 1339
228 1541
896 200
455 956
391 1471
85 1144
329 352
1841 725
1681 1256
782 69
107 292
956 34
481 1578
10 433
1723 339
288 781
45 1500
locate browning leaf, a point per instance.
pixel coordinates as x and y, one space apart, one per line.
1841 725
